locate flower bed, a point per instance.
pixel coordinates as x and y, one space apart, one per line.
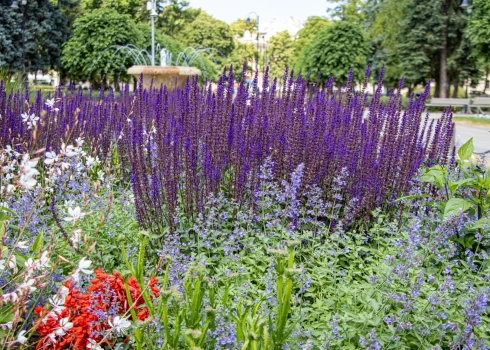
286 219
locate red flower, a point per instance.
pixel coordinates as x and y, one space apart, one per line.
106 293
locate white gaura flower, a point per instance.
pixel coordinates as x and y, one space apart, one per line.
51 157
20 337
83 266
76 237
69 151
49 103
29 120
22 245
43 261
58 301
65 326
91 161
2 264
12 263
119 324
92 344
79 141
28 172
74 215
28 286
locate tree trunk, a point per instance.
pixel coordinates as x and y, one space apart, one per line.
486 82
455 91
436 88
116 83
443 88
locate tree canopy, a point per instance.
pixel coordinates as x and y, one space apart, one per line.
311 27
334 51
31 37
208 32
279 53
87 55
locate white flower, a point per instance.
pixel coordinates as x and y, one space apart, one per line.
79 141
30 120
2 264
58 301
75 277
83 266
10 189
22 245
44 261
6 326
119 324
91 161
65 326
28 172
12 263
76 237
75 215
27 181
12 297
20 337
28 286
51 157
69 151
49 103
93 345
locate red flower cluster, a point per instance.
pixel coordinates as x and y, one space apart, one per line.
75 317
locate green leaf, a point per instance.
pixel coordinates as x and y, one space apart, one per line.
38 243
454 205
466 151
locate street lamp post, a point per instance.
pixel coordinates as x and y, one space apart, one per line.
151 6
257 21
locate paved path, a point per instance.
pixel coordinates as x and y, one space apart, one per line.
481 136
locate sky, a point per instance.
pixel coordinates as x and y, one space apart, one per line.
231 10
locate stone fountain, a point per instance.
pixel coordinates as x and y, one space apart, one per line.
170 76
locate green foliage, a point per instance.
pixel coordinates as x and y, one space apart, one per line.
205 31
334 51
421 41
279 53
240 26
312 27
348 10
176 14
479 26
468 192
243 53
384 31
86 54
31 38
133 8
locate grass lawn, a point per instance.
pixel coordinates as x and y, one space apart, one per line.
471 120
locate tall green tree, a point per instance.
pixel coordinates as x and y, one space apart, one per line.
175 15
279 52
334 51
479 33
382 24
87 55
136 9
348 10
31 37
431 36
312 27
240 26
208 32
243 53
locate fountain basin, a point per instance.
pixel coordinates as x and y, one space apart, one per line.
164 75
